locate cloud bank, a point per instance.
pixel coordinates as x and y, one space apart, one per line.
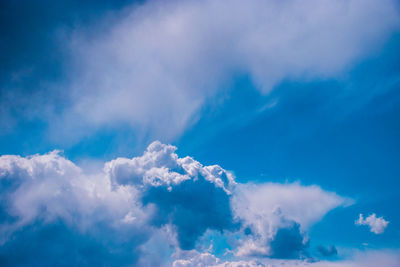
154 65
377 225
125 212
361 259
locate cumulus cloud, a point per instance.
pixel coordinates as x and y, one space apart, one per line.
183 192
277 216
53 213
157 63
377 225
123 213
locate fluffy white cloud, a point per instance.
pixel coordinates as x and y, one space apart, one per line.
52 213
155 64
49 187
376 225
155 189
190 196
161 166
132 205
278 214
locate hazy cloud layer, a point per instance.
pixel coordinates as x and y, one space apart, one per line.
154 65
128 209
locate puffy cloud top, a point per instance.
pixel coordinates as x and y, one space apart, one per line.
160 166
377 225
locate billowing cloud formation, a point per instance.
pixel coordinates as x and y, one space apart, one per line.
48 200
376 225
158 62
183 192
125 211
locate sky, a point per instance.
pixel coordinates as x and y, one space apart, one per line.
200 133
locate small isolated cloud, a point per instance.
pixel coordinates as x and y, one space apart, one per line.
141 210
376 225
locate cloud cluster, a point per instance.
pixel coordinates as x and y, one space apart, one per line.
377 225
154 65
125 211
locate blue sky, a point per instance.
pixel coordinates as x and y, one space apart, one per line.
298 103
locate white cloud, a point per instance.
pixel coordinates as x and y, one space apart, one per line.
376 225
359 259
128 194
195 259
153 197
303 204
183 193
49 188
283 211
160 165
158 62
